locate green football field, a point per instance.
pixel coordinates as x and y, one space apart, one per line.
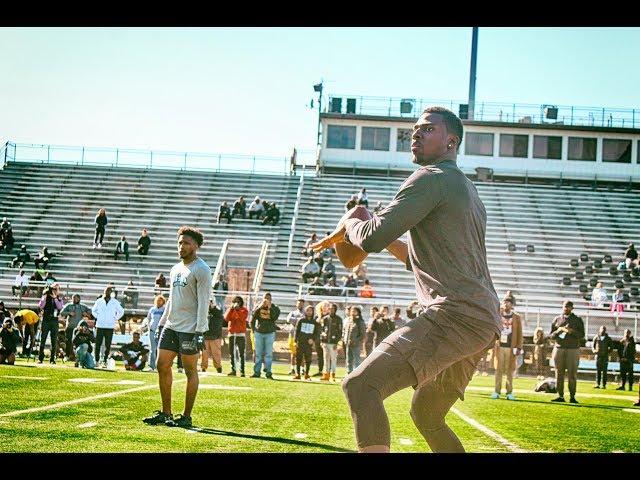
64 409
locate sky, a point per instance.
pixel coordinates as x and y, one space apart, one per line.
248 90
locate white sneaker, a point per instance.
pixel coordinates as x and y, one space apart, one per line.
99 245
94 246
511 396
495 395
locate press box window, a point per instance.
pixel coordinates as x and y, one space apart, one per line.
375 138
478 144
404 140
582 149
339 136
547 147
514 146
618 151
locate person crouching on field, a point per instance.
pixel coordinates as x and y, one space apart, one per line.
135 353
82 340
10 339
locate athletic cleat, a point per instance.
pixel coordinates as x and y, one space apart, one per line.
179 421
296 377
158 418
596 386
511 396
573 400
559 399
232 373
495 395
269 376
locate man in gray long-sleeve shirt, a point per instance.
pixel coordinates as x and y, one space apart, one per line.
185 320
436 352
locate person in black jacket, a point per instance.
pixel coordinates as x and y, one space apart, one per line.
263 326
602 343
21 258
567 330
213 339
239 208
101 223
224 212
135 354
122 247
272 215
627 355
330 335
9 339
382 326
144 242
304 337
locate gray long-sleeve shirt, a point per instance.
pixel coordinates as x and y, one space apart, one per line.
446 220
187 309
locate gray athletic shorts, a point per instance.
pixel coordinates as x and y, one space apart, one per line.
440 347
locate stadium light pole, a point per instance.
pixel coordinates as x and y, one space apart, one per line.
472 73
318 88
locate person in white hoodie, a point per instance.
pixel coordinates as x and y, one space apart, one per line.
107 311
256 208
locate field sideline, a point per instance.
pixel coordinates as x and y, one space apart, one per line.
64 409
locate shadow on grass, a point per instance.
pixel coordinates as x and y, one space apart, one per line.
287 441
550 403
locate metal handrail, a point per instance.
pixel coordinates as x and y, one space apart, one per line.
296 209
260 267
496 111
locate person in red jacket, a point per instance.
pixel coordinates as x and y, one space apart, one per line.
236 317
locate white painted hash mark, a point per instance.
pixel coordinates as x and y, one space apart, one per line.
87 425
406 441
488 432
631 410
300 435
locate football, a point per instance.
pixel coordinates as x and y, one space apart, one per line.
349 255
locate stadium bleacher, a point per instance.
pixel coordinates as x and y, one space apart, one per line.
55 205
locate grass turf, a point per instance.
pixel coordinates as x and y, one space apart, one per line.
234 414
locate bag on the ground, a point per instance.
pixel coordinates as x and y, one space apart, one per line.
548 385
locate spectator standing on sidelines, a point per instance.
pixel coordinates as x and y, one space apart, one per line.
153 324
144 242
236 317
4 312
213 339
220 289
101 221
292 320
122 247
330 335
322 308
368 340
627 355
263 326
507 348
397 318
352 337
539 352
382 326
82 340
107 311
305 333
73 312
602 343
51 304
567 330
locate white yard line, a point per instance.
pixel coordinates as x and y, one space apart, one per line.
81 400
23 377
488 432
